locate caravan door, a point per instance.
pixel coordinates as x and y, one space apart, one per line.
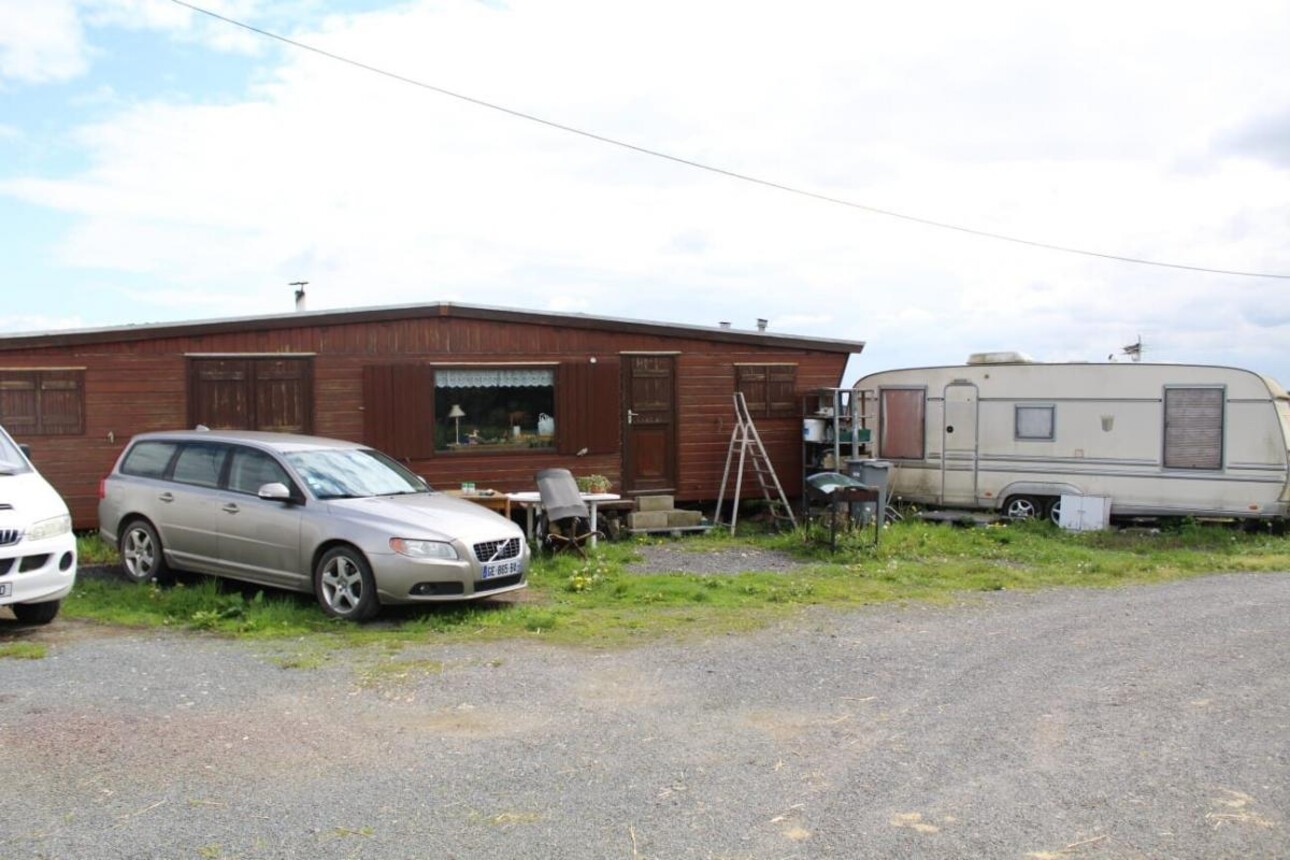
959 444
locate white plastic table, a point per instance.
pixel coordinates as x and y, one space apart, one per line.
531 501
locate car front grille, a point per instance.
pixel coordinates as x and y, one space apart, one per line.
497 550
8 536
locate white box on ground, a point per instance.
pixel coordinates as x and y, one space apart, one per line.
1085 513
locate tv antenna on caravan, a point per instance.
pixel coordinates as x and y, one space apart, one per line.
1132 350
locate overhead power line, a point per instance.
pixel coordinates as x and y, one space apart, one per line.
721 171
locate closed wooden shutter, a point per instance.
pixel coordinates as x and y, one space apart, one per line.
18 403
587 407
43 402
273 394
1193 428
398 409
770 390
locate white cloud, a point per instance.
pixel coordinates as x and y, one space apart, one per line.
1095 127
40 41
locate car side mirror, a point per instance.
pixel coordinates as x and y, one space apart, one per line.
25 449
275 492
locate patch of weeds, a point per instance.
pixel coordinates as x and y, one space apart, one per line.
342 832
300 661
210 852
92 549
23 651
540 621
397 672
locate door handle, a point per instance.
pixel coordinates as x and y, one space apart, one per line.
166 497
231 508
631 415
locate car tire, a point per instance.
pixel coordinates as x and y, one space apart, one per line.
344 585
36 613
142 556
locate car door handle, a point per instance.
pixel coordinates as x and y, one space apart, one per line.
166 497
231 508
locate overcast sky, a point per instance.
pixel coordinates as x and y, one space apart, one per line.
157 164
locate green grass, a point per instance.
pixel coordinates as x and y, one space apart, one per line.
599 602
22 650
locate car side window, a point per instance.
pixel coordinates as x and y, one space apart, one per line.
148 459
200 464
250 469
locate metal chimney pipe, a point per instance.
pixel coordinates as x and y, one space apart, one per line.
724 324
300 294
761 324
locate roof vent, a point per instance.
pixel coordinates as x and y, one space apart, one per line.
1000 358
761 324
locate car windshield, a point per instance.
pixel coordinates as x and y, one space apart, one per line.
353 473
11 460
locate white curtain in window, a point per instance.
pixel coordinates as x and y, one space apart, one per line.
501 377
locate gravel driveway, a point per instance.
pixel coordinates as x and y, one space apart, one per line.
1139 722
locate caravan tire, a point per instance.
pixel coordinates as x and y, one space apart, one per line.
1022 508
1055 510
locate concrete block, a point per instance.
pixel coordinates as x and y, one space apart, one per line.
647 520
655 503
683 518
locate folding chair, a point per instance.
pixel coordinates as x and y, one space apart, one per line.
566 521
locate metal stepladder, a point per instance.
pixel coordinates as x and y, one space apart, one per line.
745 439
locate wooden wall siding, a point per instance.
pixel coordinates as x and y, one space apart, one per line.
133 387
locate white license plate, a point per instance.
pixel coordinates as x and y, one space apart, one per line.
6 589
501 568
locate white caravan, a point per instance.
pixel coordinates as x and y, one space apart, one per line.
1009 434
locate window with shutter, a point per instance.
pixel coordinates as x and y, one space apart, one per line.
902 423
43 402
252 393
1194 428
770 390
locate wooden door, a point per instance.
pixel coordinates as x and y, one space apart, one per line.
649 423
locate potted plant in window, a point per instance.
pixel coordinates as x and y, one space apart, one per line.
593 484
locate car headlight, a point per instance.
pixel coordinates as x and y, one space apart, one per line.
53 527
424 549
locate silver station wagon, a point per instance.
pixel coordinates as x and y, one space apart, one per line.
338 519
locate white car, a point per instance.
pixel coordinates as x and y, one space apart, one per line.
37 547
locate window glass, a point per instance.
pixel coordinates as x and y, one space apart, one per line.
1035 422
251 469
199 464
352 473
494 408
148 459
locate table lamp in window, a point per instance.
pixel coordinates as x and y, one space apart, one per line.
456 414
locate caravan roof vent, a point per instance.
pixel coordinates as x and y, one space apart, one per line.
1000 358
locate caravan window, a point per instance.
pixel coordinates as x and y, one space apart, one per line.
901 423
1194 428
1035 423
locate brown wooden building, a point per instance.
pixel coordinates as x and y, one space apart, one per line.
459 392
